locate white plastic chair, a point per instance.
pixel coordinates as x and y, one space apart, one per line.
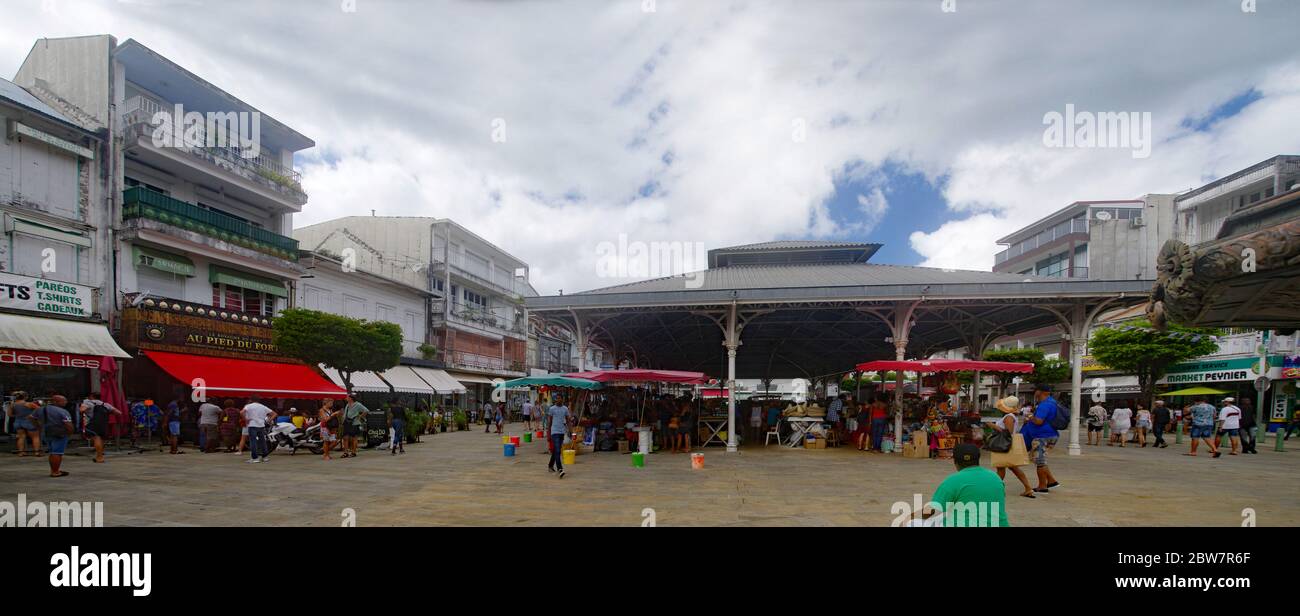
771 432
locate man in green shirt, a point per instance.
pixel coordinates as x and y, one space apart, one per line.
972 496
354 424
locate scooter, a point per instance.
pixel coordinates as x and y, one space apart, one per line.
288 435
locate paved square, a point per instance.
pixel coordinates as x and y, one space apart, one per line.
462 478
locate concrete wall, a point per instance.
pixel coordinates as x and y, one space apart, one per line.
361 296
75 69
402 243
1119 251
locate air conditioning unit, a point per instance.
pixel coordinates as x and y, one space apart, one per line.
1137 221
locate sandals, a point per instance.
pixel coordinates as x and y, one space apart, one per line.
61 474
1029 495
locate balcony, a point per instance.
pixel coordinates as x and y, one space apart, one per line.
1042 238
474 361
140 202
264 170
500 321
458 268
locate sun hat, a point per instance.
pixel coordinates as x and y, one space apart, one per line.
1009 404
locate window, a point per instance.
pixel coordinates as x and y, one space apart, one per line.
1053 266
237 299
41 257
132 183
384 313
475 299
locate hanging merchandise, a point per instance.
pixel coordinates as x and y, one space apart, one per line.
948 383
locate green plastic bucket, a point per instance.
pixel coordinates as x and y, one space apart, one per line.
638 460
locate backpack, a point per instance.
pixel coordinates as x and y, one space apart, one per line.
1061 420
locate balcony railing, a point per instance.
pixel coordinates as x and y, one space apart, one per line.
459 268
474 361
140 202
1042 238
499 320
265 168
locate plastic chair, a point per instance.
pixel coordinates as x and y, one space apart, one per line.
775 430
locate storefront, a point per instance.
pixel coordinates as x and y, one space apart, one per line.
1239 376
185 345
51 340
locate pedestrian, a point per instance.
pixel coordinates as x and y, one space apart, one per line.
684 428
1293 426
1096 423
20 413
96 413
1142 424
557 426
209 426
56 426
232 426
1248 427
1202 415
354 423
489 417
1040 435
1160 420
1121 422
1017 456
834 411
172 420
397 423
972 496
879 423
1230 423
528 414
256 417
499 416
328 417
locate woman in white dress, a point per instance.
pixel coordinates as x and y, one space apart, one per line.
1121 422
1018 456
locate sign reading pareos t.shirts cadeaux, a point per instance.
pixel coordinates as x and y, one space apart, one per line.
45 296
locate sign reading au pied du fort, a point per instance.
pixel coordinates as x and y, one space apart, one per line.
43 296
184 327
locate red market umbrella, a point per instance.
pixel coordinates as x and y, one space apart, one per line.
111 394
927 366
641 376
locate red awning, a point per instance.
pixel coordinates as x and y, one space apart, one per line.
642 376
926 366
222 376
715 393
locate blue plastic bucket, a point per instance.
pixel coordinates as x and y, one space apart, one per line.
510 450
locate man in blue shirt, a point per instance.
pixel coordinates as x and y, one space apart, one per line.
1040 435
557 425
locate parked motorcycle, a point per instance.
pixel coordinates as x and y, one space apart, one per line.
286 434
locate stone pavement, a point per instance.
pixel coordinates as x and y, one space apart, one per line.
462 478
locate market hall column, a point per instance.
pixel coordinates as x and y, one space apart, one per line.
580 332
902 327
732 342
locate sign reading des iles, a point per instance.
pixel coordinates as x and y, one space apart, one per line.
45 296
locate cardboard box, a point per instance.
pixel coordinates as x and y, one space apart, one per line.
912 450
819 443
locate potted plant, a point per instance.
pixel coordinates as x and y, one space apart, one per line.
460 419
428 351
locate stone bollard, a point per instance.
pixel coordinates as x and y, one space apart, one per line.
1277 442
1178 438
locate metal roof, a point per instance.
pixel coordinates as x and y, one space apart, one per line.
784 244
793 276
15 94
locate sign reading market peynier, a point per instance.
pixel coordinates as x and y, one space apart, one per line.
1217 371
45 296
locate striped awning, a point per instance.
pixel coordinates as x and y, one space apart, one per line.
361 381
441 382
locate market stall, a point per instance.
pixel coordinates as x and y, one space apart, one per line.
936 424
633 394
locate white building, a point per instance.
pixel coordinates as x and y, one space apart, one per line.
329 286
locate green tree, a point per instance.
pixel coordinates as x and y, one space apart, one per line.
1141 351
342 343
1045 370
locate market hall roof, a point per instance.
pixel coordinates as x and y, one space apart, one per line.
811 319
792 251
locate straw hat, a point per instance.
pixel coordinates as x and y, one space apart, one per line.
1009 404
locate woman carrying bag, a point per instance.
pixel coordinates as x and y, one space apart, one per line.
1006 445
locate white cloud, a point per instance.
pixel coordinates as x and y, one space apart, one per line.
677 125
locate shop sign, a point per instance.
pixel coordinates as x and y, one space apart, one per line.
1291 367
45 296
179 333
1280 406
1090 363
47 359
1217 371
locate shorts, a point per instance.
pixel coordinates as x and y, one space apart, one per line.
1040 450
1144 425
1232 432
24 424
351 430
1092 428
326 435
57 445
97 428
1202 431
174 428
243 431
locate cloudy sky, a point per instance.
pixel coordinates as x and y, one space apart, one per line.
551 127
